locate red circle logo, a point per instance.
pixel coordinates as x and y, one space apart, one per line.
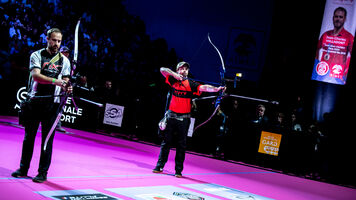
322 68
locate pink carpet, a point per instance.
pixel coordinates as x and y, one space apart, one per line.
87 164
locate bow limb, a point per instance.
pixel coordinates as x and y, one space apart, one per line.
222 74
64 99
217 50
75 55
211 116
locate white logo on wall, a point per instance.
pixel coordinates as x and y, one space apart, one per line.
20 96
113 114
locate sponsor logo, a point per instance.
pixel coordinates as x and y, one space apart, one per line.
337 69
51 67
187 196
85 197
20 96
113 113
322 68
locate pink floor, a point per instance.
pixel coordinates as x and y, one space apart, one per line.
104 164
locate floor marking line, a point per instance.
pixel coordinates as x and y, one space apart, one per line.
137 175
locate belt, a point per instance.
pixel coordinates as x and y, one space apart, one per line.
178 116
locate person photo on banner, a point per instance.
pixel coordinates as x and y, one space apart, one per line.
335 47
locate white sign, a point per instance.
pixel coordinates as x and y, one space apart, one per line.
191 127
113 115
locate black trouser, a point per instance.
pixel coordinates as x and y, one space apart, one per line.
44 112
178 128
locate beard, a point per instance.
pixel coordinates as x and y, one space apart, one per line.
53 49
338 24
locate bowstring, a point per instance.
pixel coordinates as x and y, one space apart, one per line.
197 51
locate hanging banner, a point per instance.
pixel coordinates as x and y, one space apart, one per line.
269 143
113 114
335 42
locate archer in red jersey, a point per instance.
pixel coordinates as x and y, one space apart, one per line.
178 115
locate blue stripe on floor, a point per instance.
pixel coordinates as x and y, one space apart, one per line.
137 175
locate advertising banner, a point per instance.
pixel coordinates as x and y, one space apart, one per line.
77 195
269 143
225 192
70 115
335 42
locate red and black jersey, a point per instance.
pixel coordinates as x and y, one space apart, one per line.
336 46
335 52
182 94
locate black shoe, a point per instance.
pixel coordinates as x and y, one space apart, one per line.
157 170
178 175
19 173
40 178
